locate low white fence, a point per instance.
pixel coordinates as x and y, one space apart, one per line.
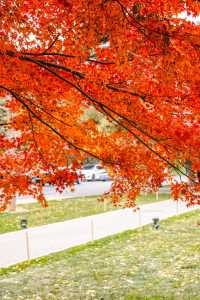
39 241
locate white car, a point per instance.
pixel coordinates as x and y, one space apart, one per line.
104 176
92 172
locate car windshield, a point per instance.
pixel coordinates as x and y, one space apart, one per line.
88 167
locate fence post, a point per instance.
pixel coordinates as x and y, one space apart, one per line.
104 205
27 244
177 207
92 230
157 196
139 217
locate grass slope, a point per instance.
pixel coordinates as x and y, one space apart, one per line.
140 264
60 211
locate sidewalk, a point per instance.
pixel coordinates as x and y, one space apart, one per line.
59 236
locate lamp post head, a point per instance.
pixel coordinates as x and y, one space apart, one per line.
156 224
23 223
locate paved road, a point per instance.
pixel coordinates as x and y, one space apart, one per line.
83 189
58 236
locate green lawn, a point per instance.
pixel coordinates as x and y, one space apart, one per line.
139 264
61 211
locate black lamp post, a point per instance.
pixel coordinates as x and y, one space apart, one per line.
23 223
156 224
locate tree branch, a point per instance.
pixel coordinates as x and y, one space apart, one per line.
49 54
17 97
101 62
51 44
94 100
35 141
48 113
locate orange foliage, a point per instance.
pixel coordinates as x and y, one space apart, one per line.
136 62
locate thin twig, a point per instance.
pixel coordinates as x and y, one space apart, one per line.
35 141
50 64
49 54
52 44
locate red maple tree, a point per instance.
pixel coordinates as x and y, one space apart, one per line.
136 62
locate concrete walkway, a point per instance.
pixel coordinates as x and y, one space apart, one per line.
59 236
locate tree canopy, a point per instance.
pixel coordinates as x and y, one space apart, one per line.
136 63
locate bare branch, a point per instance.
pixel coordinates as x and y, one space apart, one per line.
122 90
50 64
101 62
16 96
52 44
49 54
4 124
48 113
